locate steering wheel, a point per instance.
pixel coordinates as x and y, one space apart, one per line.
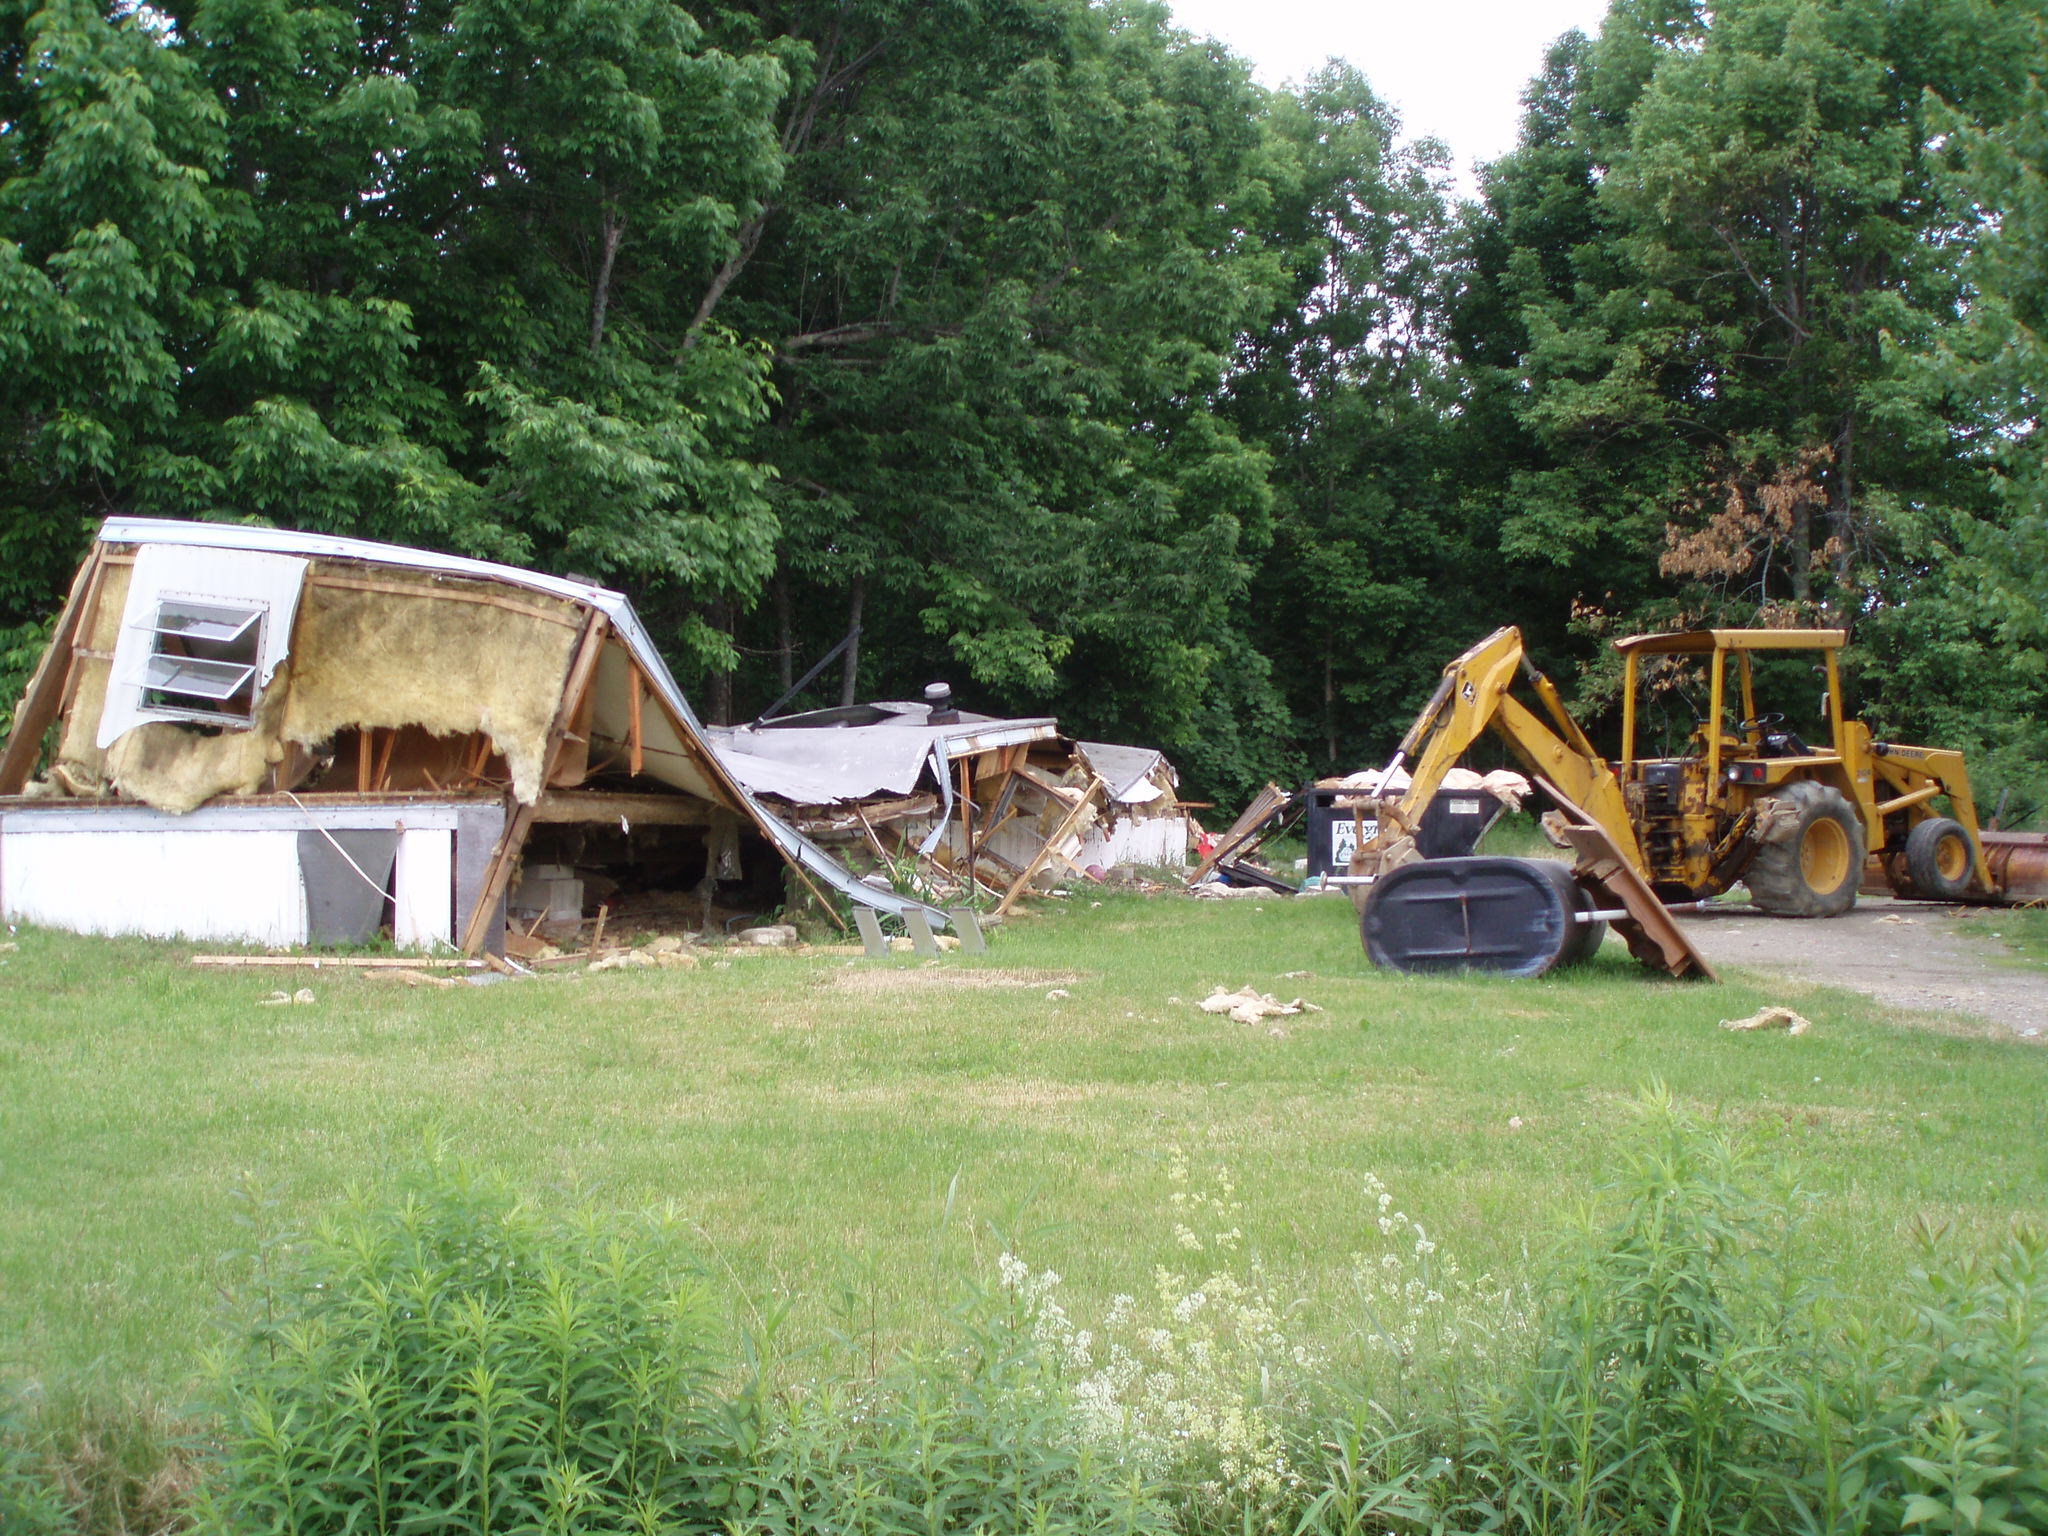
1759 722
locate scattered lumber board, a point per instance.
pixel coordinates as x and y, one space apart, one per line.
341 962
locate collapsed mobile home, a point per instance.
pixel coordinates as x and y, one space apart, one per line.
288 738
966 805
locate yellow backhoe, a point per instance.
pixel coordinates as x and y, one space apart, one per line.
1746 799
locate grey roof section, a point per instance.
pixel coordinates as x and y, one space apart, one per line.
832 765
1123 769
614 605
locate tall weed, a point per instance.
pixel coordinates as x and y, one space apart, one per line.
1941 1426
1672 1352
450 1360
456 1362
94 1461
29 1502
976 1438
1197 1383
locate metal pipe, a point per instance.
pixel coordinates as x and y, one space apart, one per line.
1628 709
1886 807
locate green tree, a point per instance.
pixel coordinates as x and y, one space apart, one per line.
420 272
1965 656
110 214
1359 601
1005 280
1692 285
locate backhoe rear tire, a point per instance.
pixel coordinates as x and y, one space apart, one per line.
1812 861
1940 859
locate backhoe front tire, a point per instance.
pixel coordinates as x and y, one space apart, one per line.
1939 859
1812 859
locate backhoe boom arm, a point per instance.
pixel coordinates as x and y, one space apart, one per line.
1472 699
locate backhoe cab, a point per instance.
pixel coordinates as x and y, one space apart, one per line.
1751 800
1746 797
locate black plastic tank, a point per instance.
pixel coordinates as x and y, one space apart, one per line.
1516 916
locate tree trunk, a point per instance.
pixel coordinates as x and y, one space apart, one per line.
1802 551
1842 513
785 645
611 232
856 600
719 613
1329 697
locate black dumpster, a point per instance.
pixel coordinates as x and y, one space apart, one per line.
1451 827
1521 917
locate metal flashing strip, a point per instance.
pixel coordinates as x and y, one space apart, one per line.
61 816
1006 733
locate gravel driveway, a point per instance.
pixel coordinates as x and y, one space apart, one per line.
1911 955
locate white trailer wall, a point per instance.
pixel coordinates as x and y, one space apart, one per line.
229 874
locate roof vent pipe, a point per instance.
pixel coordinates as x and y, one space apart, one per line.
938 705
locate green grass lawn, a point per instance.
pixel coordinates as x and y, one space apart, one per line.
810 1114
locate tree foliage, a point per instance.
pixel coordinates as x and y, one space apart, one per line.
1034 341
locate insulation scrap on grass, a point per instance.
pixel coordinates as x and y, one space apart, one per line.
1248 1005
1772 1018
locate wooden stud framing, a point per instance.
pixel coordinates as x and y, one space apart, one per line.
967 819
86 613
636 742
1045 853
383 774
43 701
519 818
564 806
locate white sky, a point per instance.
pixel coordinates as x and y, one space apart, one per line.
1454 69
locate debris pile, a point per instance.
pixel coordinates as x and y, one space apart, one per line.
949 805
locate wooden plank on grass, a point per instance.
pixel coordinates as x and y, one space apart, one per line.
338 962
1244 831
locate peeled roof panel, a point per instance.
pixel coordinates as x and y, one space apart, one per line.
1123 769
827 766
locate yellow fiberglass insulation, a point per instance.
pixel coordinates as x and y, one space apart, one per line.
178 768
450 665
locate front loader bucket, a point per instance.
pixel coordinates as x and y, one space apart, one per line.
1648 928
2018 862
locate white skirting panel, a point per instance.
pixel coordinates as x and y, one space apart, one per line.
1156 841
163 884
423 891
224 873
